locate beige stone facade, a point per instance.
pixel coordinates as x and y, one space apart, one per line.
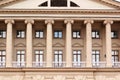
59 43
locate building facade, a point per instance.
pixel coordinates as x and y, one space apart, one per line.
59 40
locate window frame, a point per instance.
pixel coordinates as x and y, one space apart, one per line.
39 54
1 58
20 33
77 55
58 54
115 55
39 31
96 33
20 55
115 34
1 34
58 34
75 31
95 55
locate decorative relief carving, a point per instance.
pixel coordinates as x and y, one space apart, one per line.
9 21
20 45
49 21
77 45
108 22
39 45
68 21
2 44
58 45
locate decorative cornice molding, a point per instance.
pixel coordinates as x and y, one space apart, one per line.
59 69
55 11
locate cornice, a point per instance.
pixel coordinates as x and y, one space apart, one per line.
5 2
55 11
111 3
60 70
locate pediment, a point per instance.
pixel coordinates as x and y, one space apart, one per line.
81 4
77 45
20 45
96 45
2 44
39 45
58 45
115 45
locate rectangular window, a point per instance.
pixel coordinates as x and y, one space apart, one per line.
2 34
20 58
95 57
39 34
2 58
20 34
76 34
115 56
58 34
39 58
76 58
114 34
58 58
95 34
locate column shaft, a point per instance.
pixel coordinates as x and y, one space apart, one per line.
9 42
69 42
108 43
49 43
29 49
88 43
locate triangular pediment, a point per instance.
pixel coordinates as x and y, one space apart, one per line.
77 45
58 45
39 45
76 4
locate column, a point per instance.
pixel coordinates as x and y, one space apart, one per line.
68 42
9 43
49 43
29 49
108 48
88 42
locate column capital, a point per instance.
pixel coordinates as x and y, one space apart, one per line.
9 21
31 21
108 22
49 21
89 21
68 21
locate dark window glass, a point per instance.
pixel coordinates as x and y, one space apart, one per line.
72 4
95 34
20 34
114 34
2 34
45 4
39 34
58 3
58 34
76 34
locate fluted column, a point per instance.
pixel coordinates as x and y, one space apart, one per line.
9 43
29 45
68 42
108 45
88 42
49 43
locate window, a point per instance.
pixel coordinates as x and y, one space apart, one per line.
114 34
58 34
39 56
58 3
76 58
2 34
58 58
76 34
39 34
20 34
95 34
2 58
20 58
95 57
115 55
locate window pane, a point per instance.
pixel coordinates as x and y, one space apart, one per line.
55 34
41 34
60 34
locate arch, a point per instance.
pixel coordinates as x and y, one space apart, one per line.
20 45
